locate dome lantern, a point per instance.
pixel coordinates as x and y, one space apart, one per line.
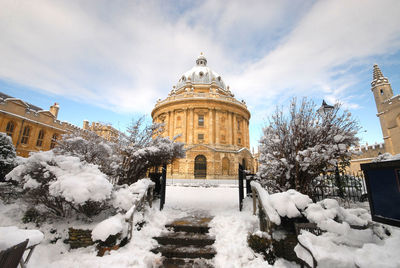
201 60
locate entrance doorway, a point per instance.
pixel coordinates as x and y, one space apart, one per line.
200 167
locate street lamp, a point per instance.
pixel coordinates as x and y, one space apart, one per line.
324 111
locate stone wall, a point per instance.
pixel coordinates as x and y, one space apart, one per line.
79 238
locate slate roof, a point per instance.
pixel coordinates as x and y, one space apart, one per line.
30 106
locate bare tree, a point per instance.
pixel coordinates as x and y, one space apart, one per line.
298 147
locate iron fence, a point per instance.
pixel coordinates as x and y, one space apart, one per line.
348 186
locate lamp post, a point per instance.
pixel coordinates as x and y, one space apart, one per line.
324 111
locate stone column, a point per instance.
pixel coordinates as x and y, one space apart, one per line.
169 125
185 132
217 127
229 128
191 126
173 124
234 129
210 126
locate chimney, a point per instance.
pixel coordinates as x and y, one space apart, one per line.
85 124
54 109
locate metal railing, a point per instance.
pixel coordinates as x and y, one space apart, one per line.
347 186
146 196
265 223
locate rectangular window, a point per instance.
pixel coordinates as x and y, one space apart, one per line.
25 135
239 141
10 128
53 141
39 141
201 120
238 125
200 136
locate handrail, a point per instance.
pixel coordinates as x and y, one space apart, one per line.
140 202
265 222
266 225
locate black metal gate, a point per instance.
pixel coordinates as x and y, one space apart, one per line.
200 167
160 179
241 177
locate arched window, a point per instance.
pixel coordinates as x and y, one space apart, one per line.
200 167
25 135
40 137
225 166
10 128
53 140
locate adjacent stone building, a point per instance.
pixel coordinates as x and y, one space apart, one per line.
103 130
30 127
388 107
210 121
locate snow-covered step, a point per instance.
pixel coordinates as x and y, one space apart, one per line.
187 243
185 239
191 252
187 263
190 225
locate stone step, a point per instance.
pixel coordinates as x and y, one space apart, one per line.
186 263
191 252
185 239
190 225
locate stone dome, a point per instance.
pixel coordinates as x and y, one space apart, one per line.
200 74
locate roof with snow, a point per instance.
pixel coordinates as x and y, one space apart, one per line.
3 97
200 74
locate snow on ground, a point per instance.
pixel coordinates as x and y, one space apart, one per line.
229 226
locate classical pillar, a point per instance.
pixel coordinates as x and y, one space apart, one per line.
217 127
173 124
210 126
234 130
185 132
229 128
169 125
191 126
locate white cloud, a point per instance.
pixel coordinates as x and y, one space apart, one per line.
125 55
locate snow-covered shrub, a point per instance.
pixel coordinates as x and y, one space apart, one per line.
143 148
7 155
297 148
62 183
93 149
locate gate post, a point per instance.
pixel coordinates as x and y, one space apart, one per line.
163 186
241 188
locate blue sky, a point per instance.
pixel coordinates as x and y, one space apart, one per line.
110 61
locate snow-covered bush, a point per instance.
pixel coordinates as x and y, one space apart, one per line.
7 155
62 183
143 148
93 149
297 148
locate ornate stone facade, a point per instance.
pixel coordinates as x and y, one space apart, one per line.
388 107
31 128
210 121
106 131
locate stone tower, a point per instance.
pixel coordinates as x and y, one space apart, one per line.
388 107
212 123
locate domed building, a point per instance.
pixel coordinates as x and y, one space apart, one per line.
210 121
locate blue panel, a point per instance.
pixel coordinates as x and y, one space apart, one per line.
385 193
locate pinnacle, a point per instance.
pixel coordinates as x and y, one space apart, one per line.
377 72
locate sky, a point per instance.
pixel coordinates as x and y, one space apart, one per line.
109 61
